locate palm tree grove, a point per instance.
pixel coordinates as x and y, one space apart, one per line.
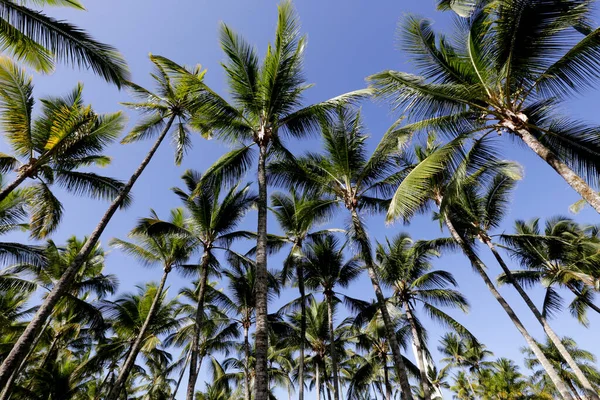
392 200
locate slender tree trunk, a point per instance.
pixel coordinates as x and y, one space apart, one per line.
318 378
246 365
333 353
191 388
6 190
137 344
300 276
480 267
181 374
470 384
578 294
261 384
574 390
589 389
419 350
399 366
26 339
574 180
386 380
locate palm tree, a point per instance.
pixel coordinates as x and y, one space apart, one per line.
557 255
173 101
212 225
406 267
297 214
482 209
348 175
325 268
583 358
36 39
504 381
266 105
515 64
439 177
52 148
167 250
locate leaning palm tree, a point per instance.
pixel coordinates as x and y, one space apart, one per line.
325 269
172 101
266 105
297 215
54 147
354 180
406 267
440 176
515 63
170 252
34 38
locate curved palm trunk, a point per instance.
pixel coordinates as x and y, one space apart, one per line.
301 289
574 180
386 381
246 365
181 374
589 389
26 339
387 320
334 367
419 350
480 268
137 344
6 190
261 384
191 389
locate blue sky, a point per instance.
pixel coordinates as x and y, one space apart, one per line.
347 40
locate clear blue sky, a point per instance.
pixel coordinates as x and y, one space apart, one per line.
347 40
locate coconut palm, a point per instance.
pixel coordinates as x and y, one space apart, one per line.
354 179
558 254
514 64
325 269
54 147
440 176
584 359
170 252
36 39
406 267
297 215
503 381
172 101
267 105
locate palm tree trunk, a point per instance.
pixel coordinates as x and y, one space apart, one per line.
387 320
181 374
574 180
419 350
318 379
480 268
386 381
542 320
6 190
261 384
470 384
578 294
191 389
14 358
137 344
300 275
246 365
334 367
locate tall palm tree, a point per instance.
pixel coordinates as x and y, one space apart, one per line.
54 147
481 209
297 215
354 180
170 252
503 381
438 177
585 362
172 101
36 39
515 63
406 267
325 268
212 226
267 98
